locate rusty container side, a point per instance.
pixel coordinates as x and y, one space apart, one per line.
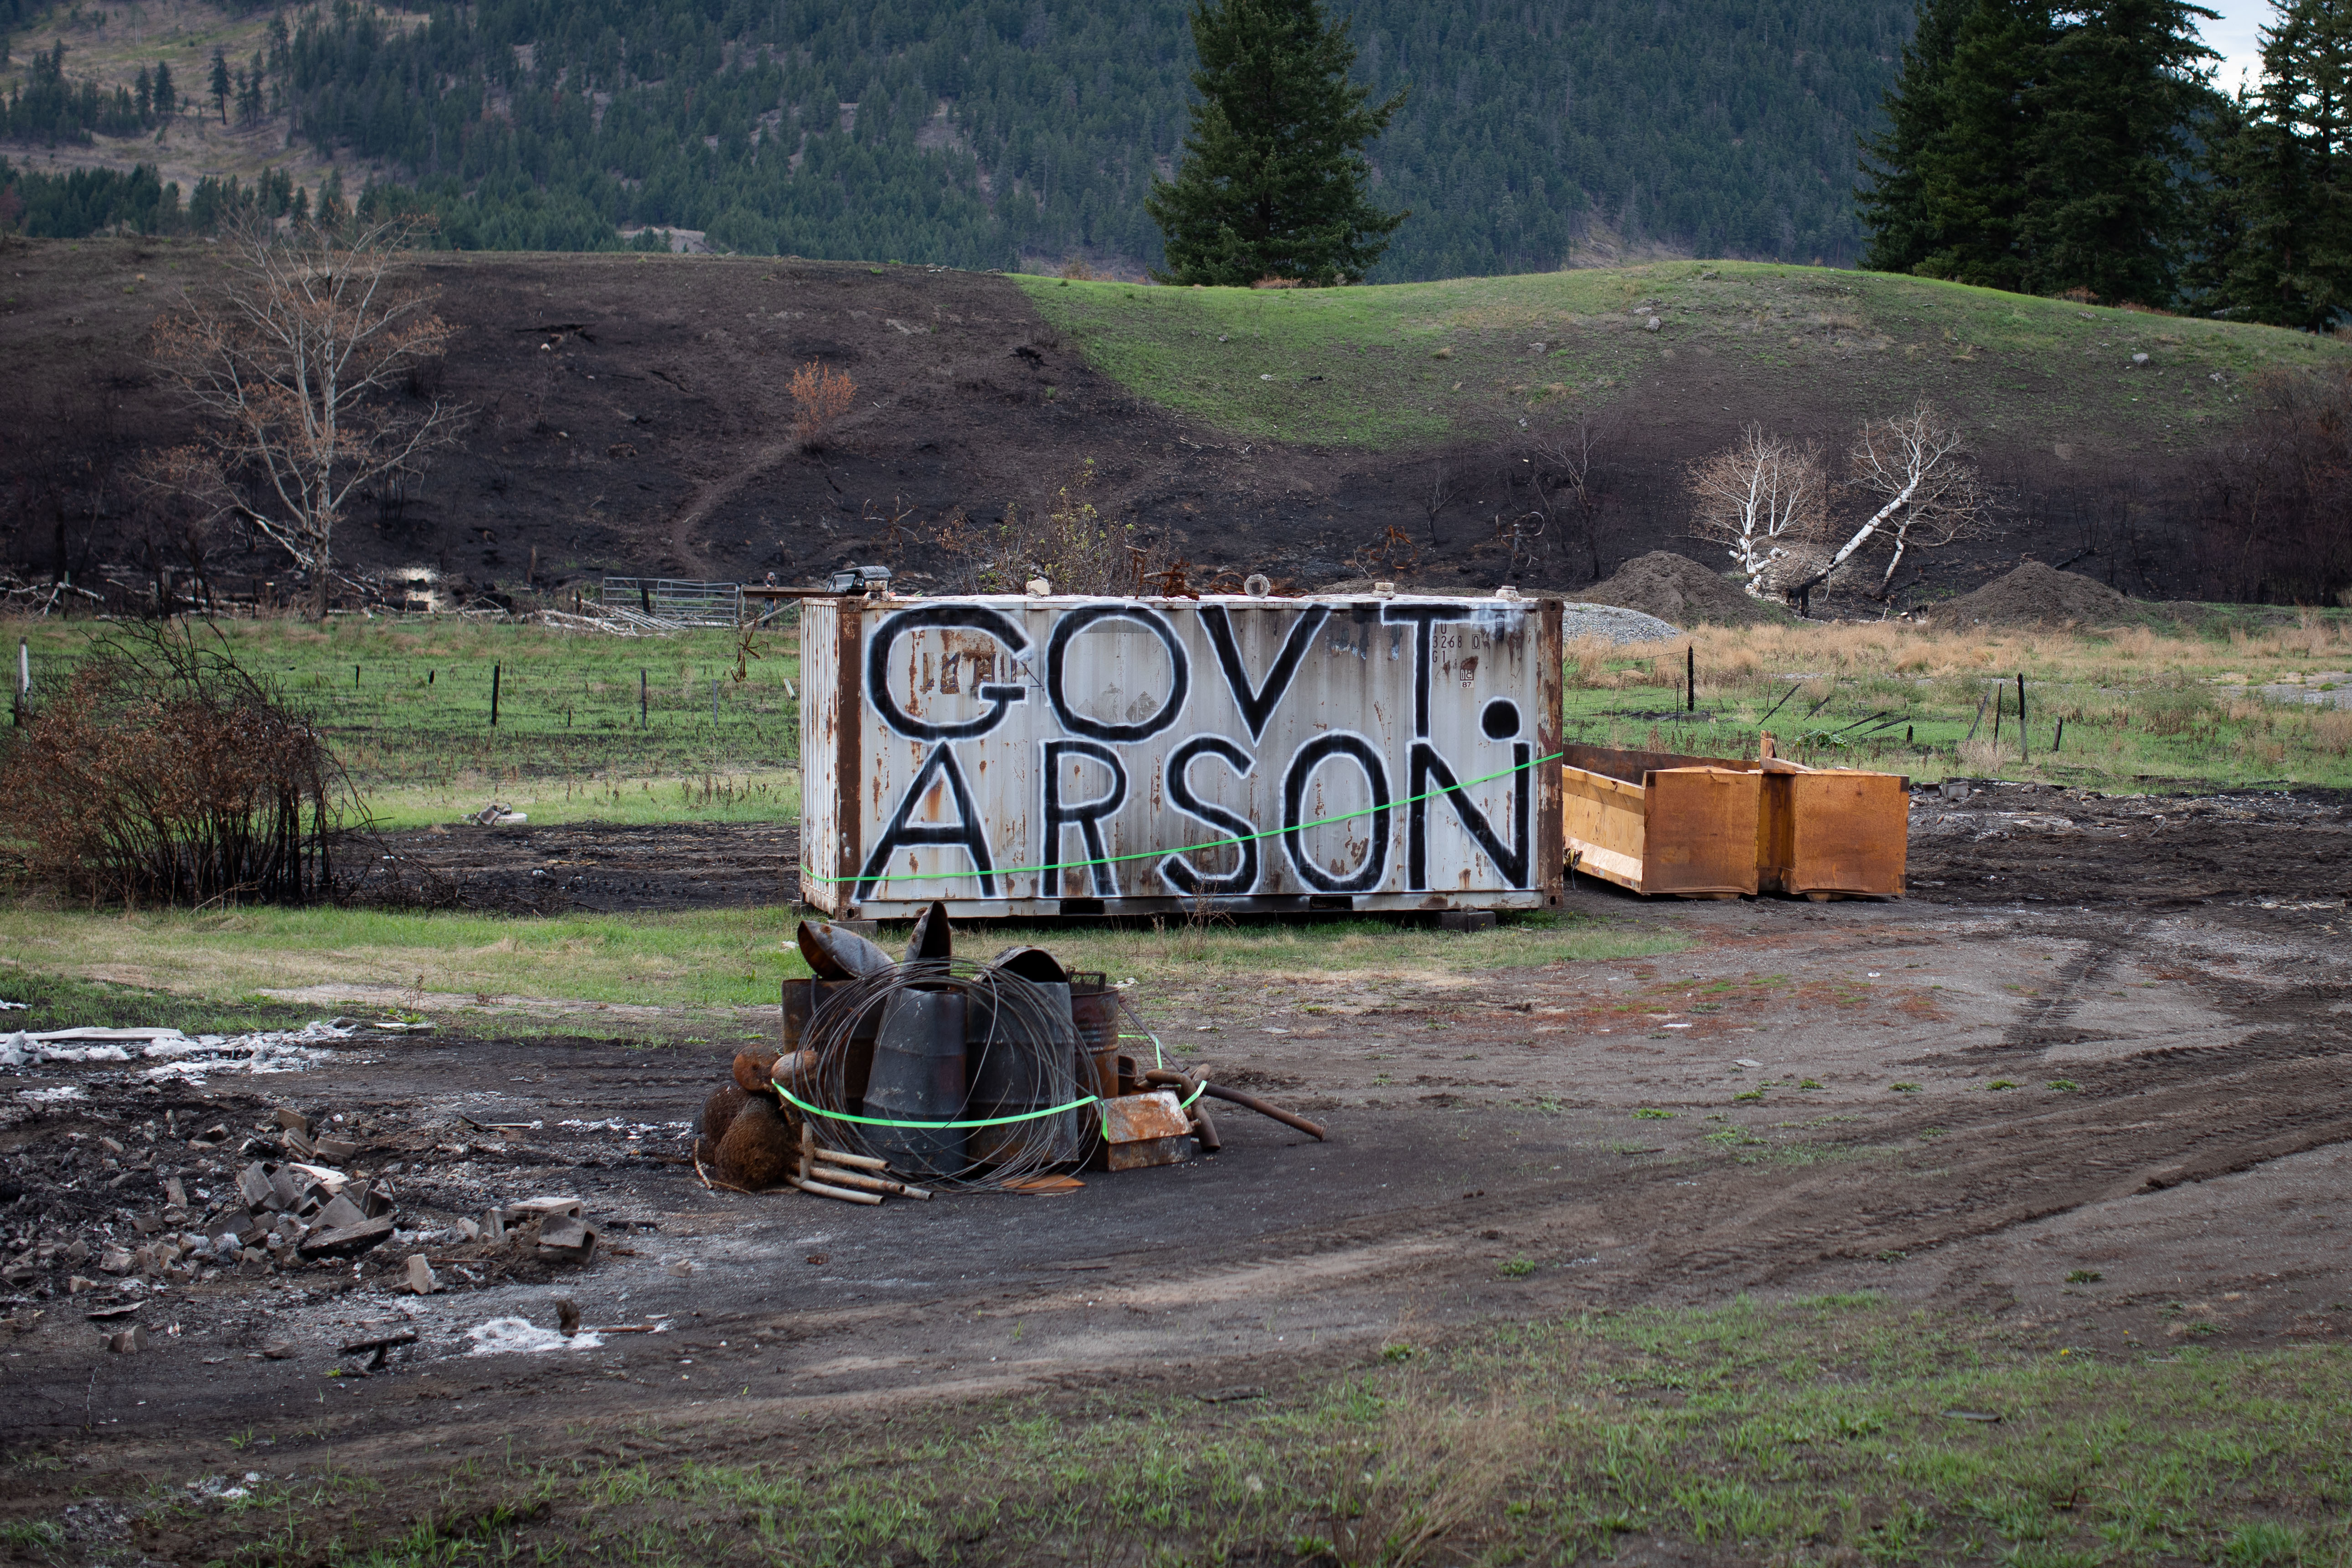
1602 820
1699 837
1627 767
1848 834
827 725
1018 756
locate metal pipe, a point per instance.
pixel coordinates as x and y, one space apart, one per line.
1235 1097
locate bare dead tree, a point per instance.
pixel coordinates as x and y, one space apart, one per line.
298 366
1917 467
1765 501
1561 462
1439 490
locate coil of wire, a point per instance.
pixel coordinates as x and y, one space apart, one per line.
974 1076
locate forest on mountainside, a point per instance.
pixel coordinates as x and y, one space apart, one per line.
985 133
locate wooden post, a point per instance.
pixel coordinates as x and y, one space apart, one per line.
2021 750
641 699
1690 679
494 697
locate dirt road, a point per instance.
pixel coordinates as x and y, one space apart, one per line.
2029 1091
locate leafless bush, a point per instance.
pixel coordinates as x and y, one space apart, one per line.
1763 500
164 773
1064 538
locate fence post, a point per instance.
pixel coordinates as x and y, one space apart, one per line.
494 697
23 680
641 701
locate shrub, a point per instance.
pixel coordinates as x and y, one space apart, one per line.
164 773
821 396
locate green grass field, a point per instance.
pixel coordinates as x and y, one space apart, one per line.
1418 364
1837 1429
405 703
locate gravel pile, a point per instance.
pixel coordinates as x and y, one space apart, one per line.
1613 623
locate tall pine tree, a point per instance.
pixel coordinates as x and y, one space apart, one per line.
2041 150
1272 185
2278 198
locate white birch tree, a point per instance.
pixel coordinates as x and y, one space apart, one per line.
299 366
1763 500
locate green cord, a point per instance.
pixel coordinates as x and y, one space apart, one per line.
1187 848
985 1121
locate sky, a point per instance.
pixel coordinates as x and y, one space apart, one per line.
2237 38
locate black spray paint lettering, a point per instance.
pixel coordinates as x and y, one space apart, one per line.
1257 703
1179 873
1302 763
1057 648
1086 815
967 832
963 618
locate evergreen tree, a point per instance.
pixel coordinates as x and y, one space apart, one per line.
1980 166
2110 205
1273 179
167 97
2278 198
2042 150
1894 204
221 83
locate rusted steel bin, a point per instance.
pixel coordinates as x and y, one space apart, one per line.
1683 826
1016 756
1835 832
919 1076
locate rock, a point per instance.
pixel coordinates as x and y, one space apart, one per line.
758 1148
1650 325
340 1213
494 1226
254 1186
293 1120
470 1229
77 1284
420 1280
279 1350
344 1241
566 1238
114 1260
175 1193
336 1148
128 1341
682 1269
719 1111
567 1316
2140 359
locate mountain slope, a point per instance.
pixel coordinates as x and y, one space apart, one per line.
630 414
991 133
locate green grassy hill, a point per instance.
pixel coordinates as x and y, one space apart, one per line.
1417 365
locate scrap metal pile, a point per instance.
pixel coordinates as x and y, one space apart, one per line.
904 1078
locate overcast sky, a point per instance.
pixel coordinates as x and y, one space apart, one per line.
2237 38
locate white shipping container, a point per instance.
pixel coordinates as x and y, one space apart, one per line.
1036 756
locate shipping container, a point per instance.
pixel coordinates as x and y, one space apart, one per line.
1025 756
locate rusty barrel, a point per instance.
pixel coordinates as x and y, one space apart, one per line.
1094 1008
1012 1065
919 1076
802 998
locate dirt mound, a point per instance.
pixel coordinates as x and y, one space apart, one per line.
1676 588
2038 596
